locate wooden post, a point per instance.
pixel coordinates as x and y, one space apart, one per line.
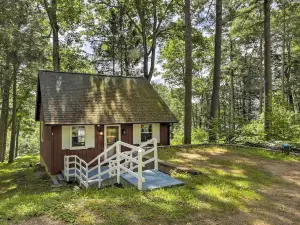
87 175
140 169
99 173
66 169
118 162
155 155
131 163
80 173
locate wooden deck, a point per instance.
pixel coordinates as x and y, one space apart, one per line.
154 179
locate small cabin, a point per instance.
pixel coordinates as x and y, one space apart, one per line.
83 114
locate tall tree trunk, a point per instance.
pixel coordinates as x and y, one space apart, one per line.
113 54
51 9
154 37
126 59
232 112
121 37
139 6
17 139
261 71
5 109
288 76
268 74
217 72
188 73
283 56
14 117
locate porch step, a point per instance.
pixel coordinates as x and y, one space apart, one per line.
153 179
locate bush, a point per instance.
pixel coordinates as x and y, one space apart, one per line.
198 136
252 132
285 127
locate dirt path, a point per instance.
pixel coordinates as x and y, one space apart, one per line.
281 200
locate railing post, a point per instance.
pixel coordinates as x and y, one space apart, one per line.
118 150
99 173
87 175
140 169
155 155
131 163
67 168
80 173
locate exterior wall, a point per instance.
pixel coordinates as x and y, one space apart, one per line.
45 144
54 148
86 154
164 134
128 137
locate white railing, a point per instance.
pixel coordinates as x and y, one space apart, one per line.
119 162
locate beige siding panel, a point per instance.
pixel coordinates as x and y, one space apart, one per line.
66 137
156 131
90 136
136 134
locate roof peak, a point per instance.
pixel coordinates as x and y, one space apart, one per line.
89 74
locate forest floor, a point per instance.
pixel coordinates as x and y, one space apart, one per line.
238 186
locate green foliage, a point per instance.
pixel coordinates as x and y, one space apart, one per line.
198 136
285 126
252 132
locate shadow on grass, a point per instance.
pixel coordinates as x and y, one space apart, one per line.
227 187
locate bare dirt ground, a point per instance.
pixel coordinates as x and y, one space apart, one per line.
281 200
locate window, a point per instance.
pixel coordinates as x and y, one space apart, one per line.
42 131
78 136
146 132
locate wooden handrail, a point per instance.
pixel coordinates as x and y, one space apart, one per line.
116 166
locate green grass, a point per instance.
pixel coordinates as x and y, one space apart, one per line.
226 186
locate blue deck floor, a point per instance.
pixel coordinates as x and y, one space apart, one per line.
153 179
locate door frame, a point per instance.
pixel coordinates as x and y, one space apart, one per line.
105 133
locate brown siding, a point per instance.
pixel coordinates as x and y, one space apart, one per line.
86 154
164 134
45 145
54 158
128 137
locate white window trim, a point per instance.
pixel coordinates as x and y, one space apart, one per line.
105 134
78 147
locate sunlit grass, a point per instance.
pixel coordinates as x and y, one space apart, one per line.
224 186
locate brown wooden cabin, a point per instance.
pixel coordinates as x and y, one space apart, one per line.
82 114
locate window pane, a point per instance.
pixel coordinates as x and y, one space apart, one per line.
146 136
146 132
78 136
112 134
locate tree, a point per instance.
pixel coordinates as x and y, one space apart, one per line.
268 74
188 73
217 73
51 9
151 19
14 112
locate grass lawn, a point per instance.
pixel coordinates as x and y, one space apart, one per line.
238 186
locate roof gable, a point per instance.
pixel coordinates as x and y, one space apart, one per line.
74 98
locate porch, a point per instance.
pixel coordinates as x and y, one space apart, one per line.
115 166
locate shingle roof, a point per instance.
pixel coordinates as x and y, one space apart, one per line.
74 98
